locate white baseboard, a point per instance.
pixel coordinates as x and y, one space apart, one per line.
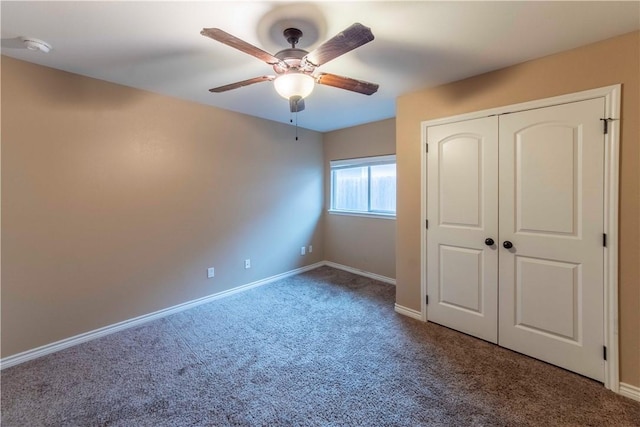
359 272
626 390
25 356
630 391
409 312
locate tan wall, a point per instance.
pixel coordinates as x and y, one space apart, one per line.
115 201
367 244
609 62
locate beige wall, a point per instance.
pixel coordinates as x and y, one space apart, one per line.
367 244
609 62
115 201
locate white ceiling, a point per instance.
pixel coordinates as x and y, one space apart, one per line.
157 46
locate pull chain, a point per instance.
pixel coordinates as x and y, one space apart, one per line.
296 123
293 103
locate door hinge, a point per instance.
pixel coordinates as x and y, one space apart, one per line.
604 352
604 239
426 299
605 123
426 147
426 224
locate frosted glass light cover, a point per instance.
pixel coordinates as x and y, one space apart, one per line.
294 84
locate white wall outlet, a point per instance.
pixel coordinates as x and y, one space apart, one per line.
211 272
310 248
303 250
247 263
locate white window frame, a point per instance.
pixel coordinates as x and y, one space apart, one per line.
358 163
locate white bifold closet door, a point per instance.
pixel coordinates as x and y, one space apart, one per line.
538 289
462 207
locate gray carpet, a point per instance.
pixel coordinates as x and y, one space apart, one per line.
323 348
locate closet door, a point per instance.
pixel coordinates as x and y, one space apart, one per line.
551 212
462 209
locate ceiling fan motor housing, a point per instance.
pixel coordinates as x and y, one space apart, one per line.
293 58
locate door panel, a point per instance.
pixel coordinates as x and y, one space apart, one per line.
551 209
462 210
460 166
547 295
547 179
460 274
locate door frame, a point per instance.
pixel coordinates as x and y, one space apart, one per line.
611 95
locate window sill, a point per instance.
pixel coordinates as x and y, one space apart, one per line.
362 214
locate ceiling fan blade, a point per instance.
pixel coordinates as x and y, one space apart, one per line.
349 39
226 38
296 104
347 83
242 83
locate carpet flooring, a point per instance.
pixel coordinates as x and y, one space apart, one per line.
323 348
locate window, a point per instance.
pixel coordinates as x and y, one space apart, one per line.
364 186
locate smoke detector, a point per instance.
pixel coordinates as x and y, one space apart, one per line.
36 44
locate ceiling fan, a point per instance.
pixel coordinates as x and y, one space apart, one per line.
294 68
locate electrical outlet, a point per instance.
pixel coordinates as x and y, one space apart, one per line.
211 272
310 248
302 250
247 263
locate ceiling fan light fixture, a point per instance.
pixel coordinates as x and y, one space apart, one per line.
294 84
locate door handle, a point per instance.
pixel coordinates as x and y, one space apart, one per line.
489 241
507 244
